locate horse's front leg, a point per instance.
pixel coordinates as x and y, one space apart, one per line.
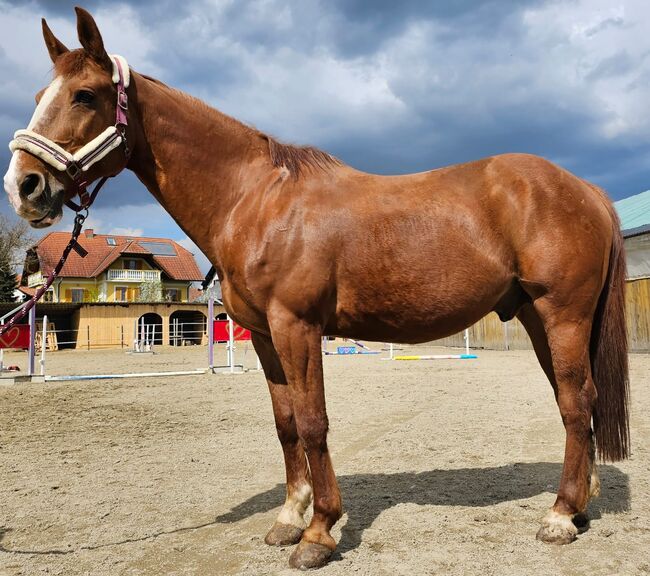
290 523
298 344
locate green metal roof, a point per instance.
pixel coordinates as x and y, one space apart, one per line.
634 211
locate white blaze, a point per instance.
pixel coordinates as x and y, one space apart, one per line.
41 113
11 182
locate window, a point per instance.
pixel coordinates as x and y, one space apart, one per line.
111 242
121 293
131 264
49 295
77 294
172 294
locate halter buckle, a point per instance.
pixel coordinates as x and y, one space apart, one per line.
122 100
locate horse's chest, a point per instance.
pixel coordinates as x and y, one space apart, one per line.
241 309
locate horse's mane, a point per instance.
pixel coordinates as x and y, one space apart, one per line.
295 158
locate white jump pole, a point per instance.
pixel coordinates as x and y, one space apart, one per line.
43 345
466 338
116 376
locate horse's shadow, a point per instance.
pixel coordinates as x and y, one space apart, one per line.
366 496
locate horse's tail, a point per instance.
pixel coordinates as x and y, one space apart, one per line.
609 361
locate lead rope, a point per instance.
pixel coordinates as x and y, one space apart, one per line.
72 245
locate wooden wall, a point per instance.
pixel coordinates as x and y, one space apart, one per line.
493 334
638 314
112 325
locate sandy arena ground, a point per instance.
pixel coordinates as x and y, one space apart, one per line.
445 467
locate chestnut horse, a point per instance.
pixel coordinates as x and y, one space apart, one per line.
306 246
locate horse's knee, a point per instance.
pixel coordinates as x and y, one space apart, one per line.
312 430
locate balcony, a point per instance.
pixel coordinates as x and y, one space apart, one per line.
35 279
133 275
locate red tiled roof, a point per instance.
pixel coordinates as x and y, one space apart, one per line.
101 255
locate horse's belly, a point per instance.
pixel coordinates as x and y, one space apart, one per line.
410 311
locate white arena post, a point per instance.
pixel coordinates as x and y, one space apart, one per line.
211 328
231 344
32 341
43 345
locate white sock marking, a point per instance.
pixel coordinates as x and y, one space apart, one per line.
295 506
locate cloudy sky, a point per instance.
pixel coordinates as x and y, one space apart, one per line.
387 86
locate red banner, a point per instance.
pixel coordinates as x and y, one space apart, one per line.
221 332
16 337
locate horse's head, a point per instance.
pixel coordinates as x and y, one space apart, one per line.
68 141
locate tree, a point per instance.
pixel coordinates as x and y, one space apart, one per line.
150 292
14 240
8 281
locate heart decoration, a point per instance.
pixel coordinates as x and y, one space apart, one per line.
10 337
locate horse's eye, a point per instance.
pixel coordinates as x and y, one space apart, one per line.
84 97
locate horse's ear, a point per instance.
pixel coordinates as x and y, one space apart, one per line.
54 46
90 38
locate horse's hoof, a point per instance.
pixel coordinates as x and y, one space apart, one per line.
308 555
581 522
283 535
557 529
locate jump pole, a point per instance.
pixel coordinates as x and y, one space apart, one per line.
438 357
131 375
466 356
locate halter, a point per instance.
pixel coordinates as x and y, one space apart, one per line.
75 165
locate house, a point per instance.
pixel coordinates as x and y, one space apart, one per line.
116 269
634 213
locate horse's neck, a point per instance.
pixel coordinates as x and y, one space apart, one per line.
192 159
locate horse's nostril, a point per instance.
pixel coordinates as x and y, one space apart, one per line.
29 185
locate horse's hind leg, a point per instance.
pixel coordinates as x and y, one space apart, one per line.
568 331
290 524
529 317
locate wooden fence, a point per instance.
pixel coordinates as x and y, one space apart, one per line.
493 334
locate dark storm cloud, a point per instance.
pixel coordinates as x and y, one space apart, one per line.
388 86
